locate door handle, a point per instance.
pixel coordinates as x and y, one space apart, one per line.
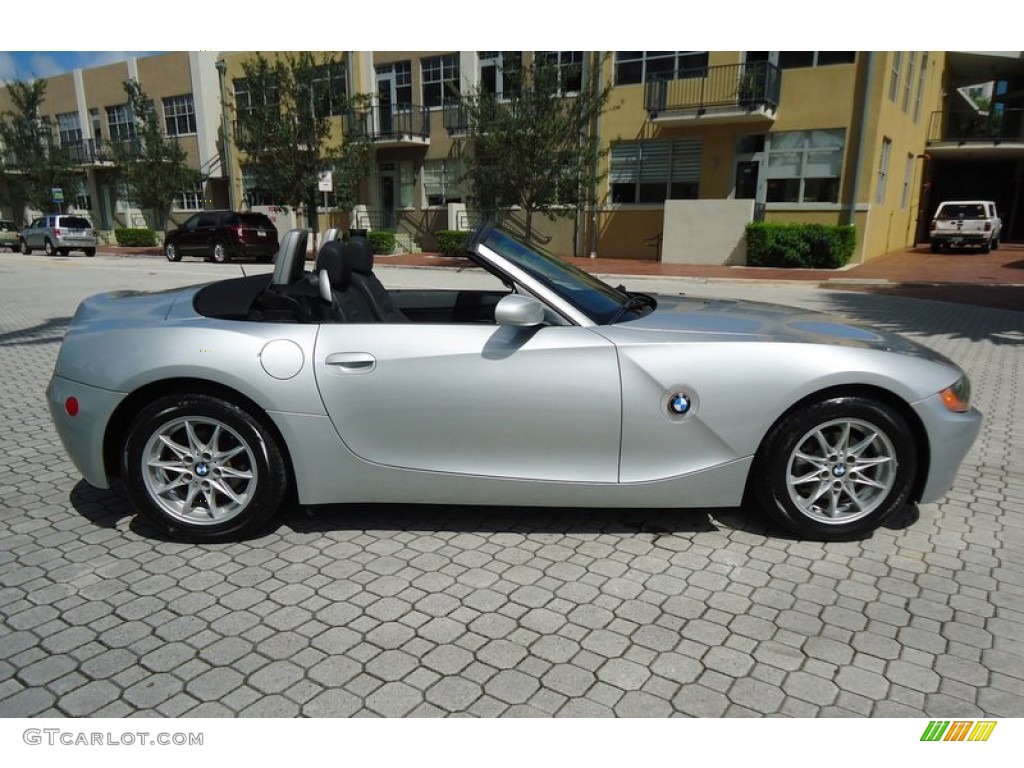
351 362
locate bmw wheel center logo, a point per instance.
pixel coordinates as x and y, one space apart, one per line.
679 403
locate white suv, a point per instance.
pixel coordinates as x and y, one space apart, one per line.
966 222
59 233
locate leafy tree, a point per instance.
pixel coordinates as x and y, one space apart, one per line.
536 149
33 161
153 166
285 131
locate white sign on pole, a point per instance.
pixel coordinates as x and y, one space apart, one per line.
326 183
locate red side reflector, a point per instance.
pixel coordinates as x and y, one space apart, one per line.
71 406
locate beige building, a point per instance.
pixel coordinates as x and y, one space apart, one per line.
698 143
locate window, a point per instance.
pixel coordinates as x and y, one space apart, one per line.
442 181
500 72
655 171
801 59
908 82
188 200
440 75
908 179
804 166
247 96
120 123
883 170
644 66
125 198
69 128
894 75
329 89
402 71
921 72
179 115
81 198
252 194
569 66
97 124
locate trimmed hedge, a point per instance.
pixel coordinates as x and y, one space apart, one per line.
381 240
142 237
818 246
451 242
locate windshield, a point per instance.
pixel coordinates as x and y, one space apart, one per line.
598 300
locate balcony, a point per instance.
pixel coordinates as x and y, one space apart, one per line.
457 117
391 125
730 93
997 132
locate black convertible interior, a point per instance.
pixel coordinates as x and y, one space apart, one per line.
341 289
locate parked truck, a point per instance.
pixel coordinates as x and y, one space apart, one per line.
960 223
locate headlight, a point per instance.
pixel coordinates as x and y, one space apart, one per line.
958 397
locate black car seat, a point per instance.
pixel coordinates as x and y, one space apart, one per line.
359 254
349 304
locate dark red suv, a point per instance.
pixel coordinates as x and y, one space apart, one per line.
223 235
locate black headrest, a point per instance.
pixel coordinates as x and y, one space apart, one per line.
360 254
332 257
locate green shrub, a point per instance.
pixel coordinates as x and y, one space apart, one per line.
817 246
142 237
451 242
381 240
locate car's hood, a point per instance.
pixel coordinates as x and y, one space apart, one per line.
749 321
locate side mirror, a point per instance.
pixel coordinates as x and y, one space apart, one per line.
520 311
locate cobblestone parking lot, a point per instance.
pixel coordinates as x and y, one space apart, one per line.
426 611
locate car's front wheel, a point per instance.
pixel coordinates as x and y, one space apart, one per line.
48 248
836 468
171 252
24 247
203 468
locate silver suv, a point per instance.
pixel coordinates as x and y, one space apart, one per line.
59 233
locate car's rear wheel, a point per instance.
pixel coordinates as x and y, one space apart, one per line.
89 251
836 468
64 251
171 252
219 252
48 248
24 247
995 243
203 468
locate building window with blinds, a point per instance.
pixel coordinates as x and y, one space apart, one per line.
655 171
442 182
804 166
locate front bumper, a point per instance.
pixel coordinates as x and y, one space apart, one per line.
950 437
83 434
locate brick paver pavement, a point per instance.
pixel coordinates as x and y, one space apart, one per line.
404 611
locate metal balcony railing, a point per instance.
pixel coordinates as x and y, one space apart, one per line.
999 124
390 122
457 117
745 86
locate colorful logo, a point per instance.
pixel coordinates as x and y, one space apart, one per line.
958 730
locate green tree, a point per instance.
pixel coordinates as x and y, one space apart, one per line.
153 166
33 161
285 131
536 148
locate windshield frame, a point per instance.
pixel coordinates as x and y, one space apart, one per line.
576 294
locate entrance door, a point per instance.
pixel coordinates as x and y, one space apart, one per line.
387 195
746 179
749 155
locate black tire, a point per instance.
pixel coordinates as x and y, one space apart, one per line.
89 251
63 251
24 248
219 252
171 252
790 452
48 248
995 243
202 499
934 247
986 246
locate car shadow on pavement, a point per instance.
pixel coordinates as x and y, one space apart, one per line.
108 508
46 332
932 316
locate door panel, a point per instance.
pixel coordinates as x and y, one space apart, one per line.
475 399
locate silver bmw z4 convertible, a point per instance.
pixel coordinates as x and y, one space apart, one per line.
210 402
